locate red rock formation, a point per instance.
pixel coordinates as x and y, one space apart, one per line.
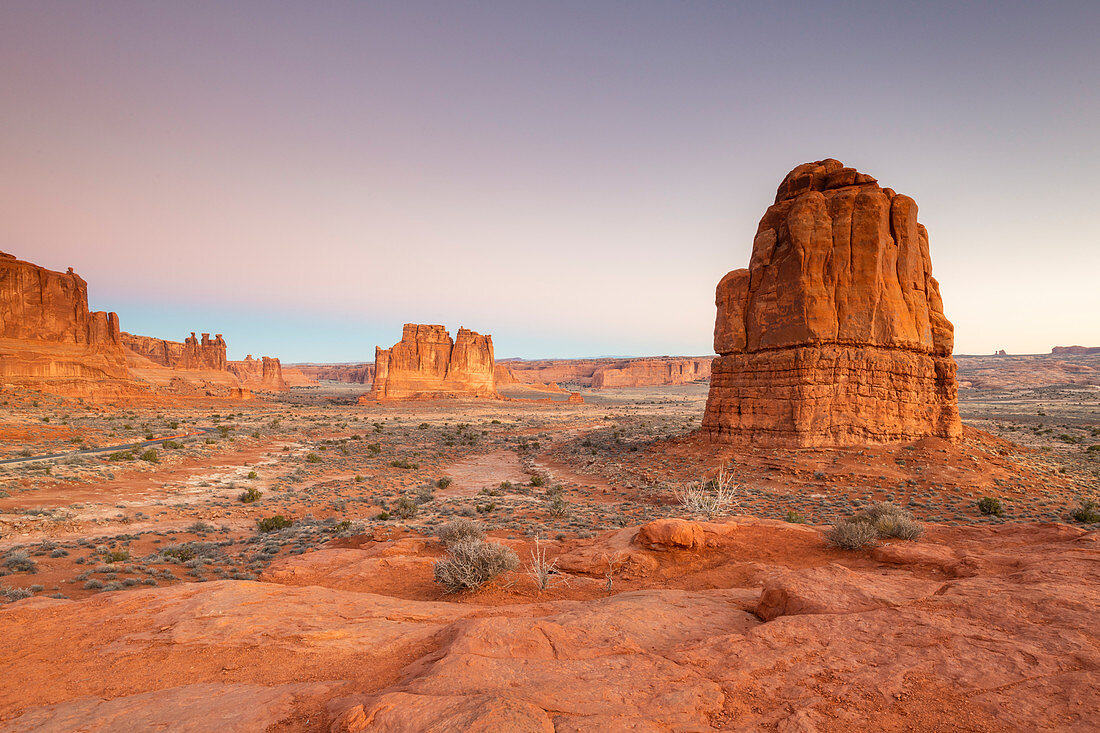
350 373
608 373
191 353
835 334
263 375
575 398
1075 350
294 377
49 339
427 363
652 372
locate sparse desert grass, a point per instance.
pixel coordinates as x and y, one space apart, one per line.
542 571
709 498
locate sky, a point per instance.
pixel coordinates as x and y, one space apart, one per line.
572 177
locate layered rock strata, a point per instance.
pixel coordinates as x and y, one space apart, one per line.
50 340
263 375
654 371
835 334
191 353
428 364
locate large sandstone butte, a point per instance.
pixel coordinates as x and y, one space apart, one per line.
426 363
49 338
264 374
835 334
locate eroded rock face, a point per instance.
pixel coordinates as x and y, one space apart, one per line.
191 353
835 334
48 337
264 374
426 363
350 373
611 373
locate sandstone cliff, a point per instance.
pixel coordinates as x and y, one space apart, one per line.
191 353
350 373
652 372
427 363
1075 350
49 340
607 373
835 333
264 374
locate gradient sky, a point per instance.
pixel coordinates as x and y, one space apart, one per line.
572 177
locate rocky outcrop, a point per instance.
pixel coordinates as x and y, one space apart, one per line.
49 340
261 375
191 353
652 372
609 373
427 364
350 373
1075 350
835 334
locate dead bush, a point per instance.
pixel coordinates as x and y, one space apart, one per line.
471 563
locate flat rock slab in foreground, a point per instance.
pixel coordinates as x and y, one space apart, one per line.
978 629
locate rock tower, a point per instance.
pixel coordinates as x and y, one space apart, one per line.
835 334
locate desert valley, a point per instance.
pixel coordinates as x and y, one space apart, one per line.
562 367
833 524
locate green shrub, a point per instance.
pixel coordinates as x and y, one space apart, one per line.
374 448
274 523
1094 448
558 506
403 463
538 480
150 456
122 455
171 445
313 458
1086 512
991 506
458 530
795 518
116 556
471 563
443 483
253 474
406 508
383 515
252 495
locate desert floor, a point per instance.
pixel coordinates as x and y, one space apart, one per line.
141 592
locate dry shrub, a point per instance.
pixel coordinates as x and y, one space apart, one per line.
715 496
471 563
881 520
458 530
851 535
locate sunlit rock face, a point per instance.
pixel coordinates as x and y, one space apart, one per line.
49 339
426 363
835 334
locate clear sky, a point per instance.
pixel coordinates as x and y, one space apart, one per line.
572 177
